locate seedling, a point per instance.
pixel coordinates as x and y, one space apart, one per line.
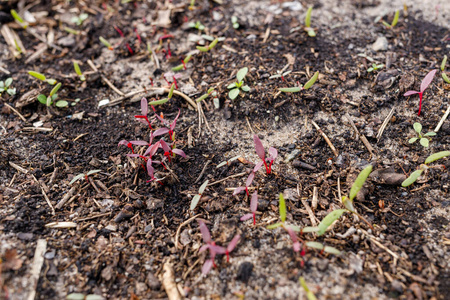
183 64
78 71
234 21
211 45
375 67
280 74
227 162
300 87
5 87
106 43
79 296
248 183
79 19
394 21
213 93
144 112
82 175
253 208
42 77
422 138
423 167
348 203
309 294
289 228
198 196
235 87
197 25
323 248
444 75
262 154
192 5
308 27
423 86
213 248
50 99
19 19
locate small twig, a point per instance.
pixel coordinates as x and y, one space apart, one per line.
249 126
385 123
362 137
18 168
168 282
203 171
326 138
93 217
109 83
353 125
66 197
16 112
5 71
315 197
177 246
45 195
38 261
226 178
204 118
444 117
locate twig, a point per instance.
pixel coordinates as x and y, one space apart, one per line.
109 83
18 168
325 138
38 261
203 171
16 112
226 178
168 282
177 246
66 197
444 117
45 195
249 126
315 197
93 217
362 137
385 123
312 217
5 71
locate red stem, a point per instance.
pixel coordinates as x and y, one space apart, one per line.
267 168
420 103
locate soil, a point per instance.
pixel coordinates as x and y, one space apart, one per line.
129 238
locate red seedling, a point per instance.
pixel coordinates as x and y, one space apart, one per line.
253 207
247 184
423 86
144 111
130 144
262 154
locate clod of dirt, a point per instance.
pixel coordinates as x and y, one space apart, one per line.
244 271
387 176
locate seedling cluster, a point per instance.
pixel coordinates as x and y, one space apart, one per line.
424 167
299 87
423 86
237 86
5 86
423 140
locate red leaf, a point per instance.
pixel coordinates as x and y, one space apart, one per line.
160 131
246 217
179 152
238 190
273 153
259 147
217 249
427 80
207 266
258 166
144 106
139 143
254 201
233 243
205 232
294 239
250 179
172 126
409 93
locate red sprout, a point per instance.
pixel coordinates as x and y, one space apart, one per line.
119 31
423 86
166 36
137 35
253 207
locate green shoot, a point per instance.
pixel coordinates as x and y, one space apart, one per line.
183 65
5 87
197 25
82 175
416 174
79 19
42 77
213 93
237 86
436 156
300 88
394 21
309 294
234 21
78 71
444 75
19 19
423 140
308 27
211 45
375 67
106 43
320 246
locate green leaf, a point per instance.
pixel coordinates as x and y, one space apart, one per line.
37 75
187 58
94 297
62 103
311 81
158 102
195 201
92 172
241 74
8 82
51 81
213 44
348 204
444 61
105 42
446 79
436 156
291 89
308 17
395 20
231 86
11 92
370 70
311 32
359 182
412 178
273 226
233 93
386 24
294 228
216 102
75 296
235 25
55 89
203 187
2 85
315 245
172 88
245 88
282 208
331 250
42 98
18 18
309 229
202 49
178 68
424 142
417 127
201 98
431 133
309 294
78 177
77 68
234 19
412 140
329 219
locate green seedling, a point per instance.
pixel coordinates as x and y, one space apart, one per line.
291 229
423 140
85 176
106 43
347 202
394 21
300 87
323 248
211 45
235 87
19 19
234 21
80 296
444 75
197 25
5 86
308 27
192 5
78 71
79 19
227 162
182 66
375 67
50 99
198 196
42 77
213 93
310 295
423 167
